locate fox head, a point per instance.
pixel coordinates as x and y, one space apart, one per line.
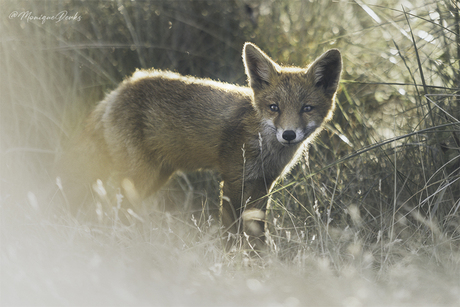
292 102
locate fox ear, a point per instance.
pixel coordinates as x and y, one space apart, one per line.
260 69
326 71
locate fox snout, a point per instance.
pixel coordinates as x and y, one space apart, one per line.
290 137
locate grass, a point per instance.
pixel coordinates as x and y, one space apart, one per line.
371 218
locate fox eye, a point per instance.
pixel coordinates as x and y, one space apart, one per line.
307 108
274 108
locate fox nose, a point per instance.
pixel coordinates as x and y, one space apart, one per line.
289 135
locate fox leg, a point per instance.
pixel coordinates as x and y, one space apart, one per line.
243 209
138 186
231 206
253 216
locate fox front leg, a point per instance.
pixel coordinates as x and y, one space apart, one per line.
243 210
253 216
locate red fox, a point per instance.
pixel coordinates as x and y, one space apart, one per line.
158 122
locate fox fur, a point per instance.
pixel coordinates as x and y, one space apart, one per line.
158 122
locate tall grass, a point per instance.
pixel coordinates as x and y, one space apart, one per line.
370 218
384 184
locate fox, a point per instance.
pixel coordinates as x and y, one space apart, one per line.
156 123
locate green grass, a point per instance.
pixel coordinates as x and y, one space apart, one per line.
370 219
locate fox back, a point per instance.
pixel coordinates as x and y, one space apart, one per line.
158 122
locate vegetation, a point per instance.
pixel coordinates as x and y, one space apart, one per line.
370 218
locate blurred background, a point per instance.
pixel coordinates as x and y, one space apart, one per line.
379 189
